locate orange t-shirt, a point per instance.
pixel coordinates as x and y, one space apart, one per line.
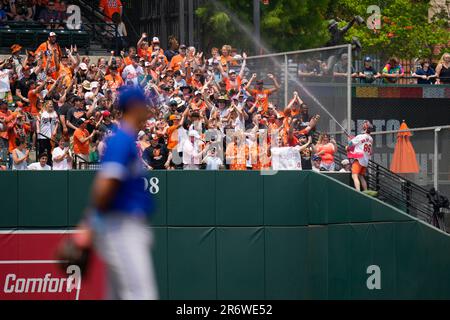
110 7
175 63
78 146
224 62
13 135
262 98
114 82
53 69
233 85
328 156
172 140
195 83
68 72
127 61
240 154
33 97
7 116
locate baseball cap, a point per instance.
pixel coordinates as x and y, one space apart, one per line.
155 40
82 120
52 34
141 134
83 66
194 133
94 84
367 59
174 117
183 46
345 162
130 94
259 82
197 92
106 113
147 64
232 71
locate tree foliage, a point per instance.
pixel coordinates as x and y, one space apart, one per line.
285 24
405 30
300 24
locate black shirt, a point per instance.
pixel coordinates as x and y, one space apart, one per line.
155 157
370 73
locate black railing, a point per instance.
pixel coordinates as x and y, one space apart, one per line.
394 189
91 12
31 35
82 164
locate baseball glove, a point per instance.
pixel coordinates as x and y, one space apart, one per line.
75 250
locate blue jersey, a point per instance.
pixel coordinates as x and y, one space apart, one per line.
121 161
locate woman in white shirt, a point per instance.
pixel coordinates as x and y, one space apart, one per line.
47 127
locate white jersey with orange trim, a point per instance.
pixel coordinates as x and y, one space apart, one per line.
362 145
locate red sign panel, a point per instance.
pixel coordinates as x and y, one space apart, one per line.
29 271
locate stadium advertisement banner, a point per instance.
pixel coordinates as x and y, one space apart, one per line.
29 271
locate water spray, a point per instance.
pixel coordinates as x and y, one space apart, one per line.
261 44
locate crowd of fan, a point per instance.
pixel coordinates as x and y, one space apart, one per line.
50 13
61 107
425 71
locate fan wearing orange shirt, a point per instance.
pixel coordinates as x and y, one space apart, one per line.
114 79
226 58
260 94
233 81
66 69
109 7
177 61
260 152
237 152
51 53
81 139
131 54
19 129
33 96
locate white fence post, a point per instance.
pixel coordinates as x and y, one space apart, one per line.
286 80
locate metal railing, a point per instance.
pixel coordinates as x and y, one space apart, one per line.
403 190
82 164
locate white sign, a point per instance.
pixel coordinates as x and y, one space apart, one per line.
73 17
286 158
4 81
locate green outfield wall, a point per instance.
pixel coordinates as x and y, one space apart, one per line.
241 235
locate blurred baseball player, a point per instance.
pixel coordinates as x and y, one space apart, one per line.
360 150
120 207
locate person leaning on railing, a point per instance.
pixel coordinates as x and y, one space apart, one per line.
392 71
425 74
443 69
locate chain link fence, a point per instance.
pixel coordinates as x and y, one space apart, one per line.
322 77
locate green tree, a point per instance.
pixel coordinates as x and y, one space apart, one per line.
405 30
285 24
